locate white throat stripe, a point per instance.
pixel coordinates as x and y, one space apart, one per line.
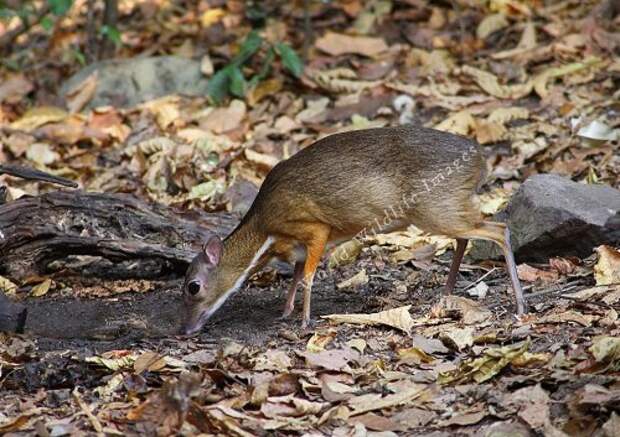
266 245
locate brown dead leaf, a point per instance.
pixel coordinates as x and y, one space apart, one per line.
225 119
337 44
36 117
567 316
398 318
458 338
532 404
261 159
464 419
273 359
320 340
470 311
78 96
14 88
532 274
377 423
360 278
335 359
607 268
563 266
372 402
151 361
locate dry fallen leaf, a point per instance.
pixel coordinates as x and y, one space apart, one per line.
486 367
607 269
532 274
225 119
81 94
337 44
36 117
365 403
398 318
472 313
335 359
360 278
41 289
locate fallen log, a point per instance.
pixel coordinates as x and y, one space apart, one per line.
115 236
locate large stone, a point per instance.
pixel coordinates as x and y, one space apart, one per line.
553 216
127 82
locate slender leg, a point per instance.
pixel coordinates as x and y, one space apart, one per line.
512 270
292 291
499 234
314 250
461 244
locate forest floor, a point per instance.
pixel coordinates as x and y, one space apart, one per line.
536 83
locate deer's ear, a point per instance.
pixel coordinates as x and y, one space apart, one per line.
213 249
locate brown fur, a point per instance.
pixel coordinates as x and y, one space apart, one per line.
356 182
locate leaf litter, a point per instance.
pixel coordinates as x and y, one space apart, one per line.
520 77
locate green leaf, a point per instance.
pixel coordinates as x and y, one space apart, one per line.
79 56
112 34
47 23
238 84
60 7
291 61
218 85
250 45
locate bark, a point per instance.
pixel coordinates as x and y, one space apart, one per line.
123 236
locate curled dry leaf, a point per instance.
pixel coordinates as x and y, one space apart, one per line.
398 318
607 268
320 340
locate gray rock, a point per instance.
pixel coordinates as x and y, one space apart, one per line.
553 216
127 82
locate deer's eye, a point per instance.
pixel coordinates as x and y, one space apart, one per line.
193 288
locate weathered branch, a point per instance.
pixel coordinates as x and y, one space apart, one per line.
35 175
123 236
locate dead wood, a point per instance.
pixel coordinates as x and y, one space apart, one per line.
97 234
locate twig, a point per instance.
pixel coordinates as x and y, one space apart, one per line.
91 417
473 284
555 288
25 25
307 30
35 175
